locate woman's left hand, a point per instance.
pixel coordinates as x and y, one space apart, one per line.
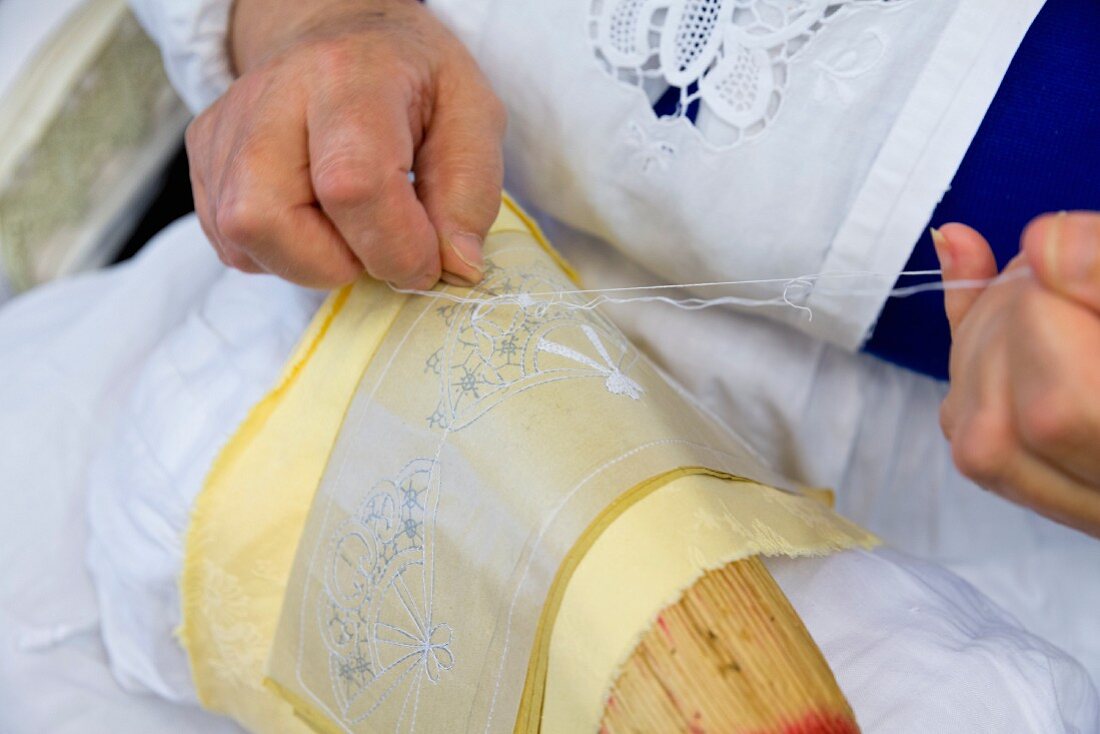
1023 411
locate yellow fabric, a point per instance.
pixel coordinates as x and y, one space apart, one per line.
259 500
248 518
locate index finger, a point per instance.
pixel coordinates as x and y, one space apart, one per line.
460 168
1064 252
360 158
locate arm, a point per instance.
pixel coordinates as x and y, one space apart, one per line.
192 36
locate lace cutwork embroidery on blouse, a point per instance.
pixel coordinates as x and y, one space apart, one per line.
724 65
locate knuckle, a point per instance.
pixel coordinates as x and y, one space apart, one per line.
240 221
981 450
333 57
407 264
340 184
234 258
1050 419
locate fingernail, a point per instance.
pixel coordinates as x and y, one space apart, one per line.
468 249
1072 250
943 249
452 279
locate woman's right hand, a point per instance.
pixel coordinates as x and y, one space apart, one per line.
1023 411
302 168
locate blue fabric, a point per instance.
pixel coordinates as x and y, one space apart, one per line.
1038 150
668 104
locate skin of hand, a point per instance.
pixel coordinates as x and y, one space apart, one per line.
301 168
1023 410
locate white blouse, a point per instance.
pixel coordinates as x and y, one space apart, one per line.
826 133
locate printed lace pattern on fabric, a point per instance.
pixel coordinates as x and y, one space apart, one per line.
724 65
376 616
493 350
376 624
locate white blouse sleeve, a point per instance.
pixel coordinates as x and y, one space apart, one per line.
192 38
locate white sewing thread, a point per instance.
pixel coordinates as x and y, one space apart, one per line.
602 296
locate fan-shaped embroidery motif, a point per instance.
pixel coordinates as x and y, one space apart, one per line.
376 614
495 350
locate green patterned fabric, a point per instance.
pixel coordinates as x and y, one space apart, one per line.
112 108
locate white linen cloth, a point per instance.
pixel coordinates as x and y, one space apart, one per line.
915 648
877 110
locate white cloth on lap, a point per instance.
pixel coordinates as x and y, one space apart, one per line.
878 107
211 366
917 649
67 352
188 397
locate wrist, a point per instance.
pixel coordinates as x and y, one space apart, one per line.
260 28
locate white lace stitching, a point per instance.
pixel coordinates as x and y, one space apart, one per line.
728 60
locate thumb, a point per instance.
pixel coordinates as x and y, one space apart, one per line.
459 171
964 255
1064 253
